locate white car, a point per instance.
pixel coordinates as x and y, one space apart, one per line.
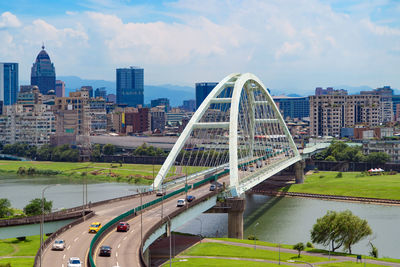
74 262
59 244
180 203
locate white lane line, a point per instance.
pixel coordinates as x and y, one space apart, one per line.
68 247
117 263
62 265
76 239
116 254
119 245
64 256
131 231
84 232
125 237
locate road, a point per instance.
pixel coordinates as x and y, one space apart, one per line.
78 239
125 245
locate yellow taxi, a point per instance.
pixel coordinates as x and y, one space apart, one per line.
94 227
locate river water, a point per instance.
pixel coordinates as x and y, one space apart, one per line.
284 220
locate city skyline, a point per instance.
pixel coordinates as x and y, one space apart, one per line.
318 43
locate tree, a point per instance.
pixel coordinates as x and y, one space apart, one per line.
35 207
109 149
377 158
5 207
299 247
340 228
96 152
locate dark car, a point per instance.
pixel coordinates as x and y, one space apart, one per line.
105 251
213 187
190 198
123 227
160 193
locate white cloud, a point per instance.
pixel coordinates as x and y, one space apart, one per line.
289 49
8 20
380 30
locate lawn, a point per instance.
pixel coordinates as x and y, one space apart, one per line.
18 262
131 173
15 247
217 262
351 184
348 263
223 250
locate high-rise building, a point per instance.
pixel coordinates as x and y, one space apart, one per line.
43 73
189 105
386 99
88 89
160 102
293 107
101 92
111 98
8 83
130 86
329 91
202 91
60 88
330 113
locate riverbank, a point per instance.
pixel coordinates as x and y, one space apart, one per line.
348 184
235 252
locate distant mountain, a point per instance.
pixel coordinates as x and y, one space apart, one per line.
175 93
294 95
354 89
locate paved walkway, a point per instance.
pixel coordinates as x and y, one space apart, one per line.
315 254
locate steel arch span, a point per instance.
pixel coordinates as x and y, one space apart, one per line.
237 129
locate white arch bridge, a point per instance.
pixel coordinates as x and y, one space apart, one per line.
237 129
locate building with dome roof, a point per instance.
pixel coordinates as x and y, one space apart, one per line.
43 73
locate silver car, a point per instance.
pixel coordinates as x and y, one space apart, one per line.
59 244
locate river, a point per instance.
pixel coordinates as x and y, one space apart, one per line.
285 220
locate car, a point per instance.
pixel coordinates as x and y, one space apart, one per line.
59 244
190 198
74 262
160 193
180 202
123 227
105 251
213 187
94 227
251 168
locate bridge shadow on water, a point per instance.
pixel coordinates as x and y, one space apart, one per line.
255 210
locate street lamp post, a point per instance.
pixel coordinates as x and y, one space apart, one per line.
201 227
42 222
170 243
255 236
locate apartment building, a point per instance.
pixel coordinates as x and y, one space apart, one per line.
330 113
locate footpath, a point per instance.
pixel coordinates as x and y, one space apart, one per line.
335 259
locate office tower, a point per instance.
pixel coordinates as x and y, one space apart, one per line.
293 107
202 91
60 88
112 98
329 91
101 92
89 89
130 86
43 73
189 105
8 83
386 100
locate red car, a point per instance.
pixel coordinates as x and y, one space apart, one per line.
123 227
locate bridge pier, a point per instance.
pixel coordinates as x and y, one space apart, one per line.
299 171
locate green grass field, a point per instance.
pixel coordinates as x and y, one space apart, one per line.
131 173
351 184
18 262
223 250
217 262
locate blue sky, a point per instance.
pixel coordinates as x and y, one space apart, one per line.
292 45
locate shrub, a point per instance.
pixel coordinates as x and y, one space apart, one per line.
299 247
339 175
21 171
316 170
21 238
252 237
374 251
321 176
309 245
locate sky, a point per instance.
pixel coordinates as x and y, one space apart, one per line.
291 45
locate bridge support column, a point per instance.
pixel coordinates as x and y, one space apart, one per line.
299 171
235 217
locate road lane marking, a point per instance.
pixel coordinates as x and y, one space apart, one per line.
116 254
62 265
117 263
119 245
68 247
84 232
76 239
64 256
125 237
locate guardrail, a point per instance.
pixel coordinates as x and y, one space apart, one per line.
109 226
89 214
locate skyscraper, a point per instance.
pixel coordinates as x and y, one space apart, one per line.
8 83
43 73
202 91
101 92
60 88
130 86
